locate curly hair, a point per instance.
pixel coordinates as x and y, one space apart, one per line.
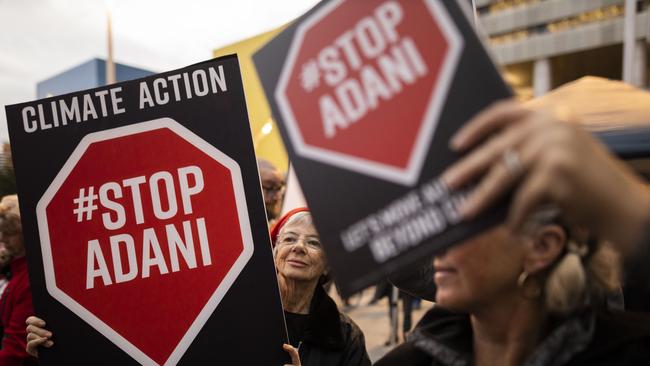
9 214
587 270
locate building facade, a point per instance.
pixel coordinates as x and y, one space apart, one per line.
90 74
542 44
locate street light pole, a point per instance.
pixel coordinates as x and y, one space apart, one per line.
629 39
475 12
110 65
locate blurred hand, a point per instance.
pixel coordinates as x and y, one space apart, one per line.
554 162
295 358
37 335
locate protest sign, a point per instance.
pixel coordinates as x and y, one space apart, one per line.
367 95
144 222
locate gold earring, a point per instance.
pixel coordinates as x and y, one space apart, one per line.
529 289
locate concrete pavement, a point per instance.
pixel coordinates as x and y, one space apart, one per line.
374 321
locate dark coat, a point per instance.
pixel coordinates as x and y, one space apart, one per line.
591 338
417 282
15 307
331 338
636 288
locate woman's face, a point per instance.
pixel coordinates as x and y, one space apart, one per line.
299 256
479 271
5 256
12 237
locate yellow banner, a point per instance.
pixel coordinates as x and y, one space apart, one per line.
266 138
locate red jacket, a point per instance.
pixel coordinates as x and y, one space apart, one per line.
15 307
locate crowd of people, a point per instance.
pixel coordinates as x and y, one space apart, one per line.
15 293
546 287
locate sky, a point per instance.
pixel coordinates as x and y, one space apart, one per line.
40 38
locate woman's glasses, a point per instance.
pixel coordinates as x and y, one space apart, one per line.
310 241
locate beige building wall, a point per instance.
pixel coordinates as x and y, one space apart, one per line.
542 44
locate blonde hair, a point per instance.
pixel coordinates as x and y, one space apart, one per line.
576 280
586 272
9 213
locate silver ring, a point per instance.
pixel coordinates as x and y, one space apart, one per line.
512 162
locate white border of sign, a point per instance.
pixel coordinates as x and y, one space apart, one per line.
411 173
215 298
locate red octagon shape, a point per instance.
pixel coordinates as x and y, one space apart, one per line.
153 317
364 84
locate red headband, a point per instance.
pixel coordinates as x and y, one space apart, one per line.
275 230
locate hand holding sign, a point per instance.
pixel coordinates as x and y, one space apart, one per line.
561 164
37 335
142 220
293 353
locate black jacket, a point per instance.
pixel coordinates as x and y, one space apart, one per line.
417 282
591 338
331 338
636 287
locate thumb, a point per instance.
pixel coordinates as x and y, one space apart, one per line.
295 358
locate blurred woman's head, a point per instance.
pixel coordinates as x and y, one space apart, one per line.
5 256
547 265
299 255
10 226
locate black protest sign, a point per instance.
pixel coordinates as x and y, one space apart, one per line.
367 95
144 222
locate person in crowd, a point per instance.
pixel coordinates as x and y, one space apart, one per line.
385 289
16 299
546 157
318 332
319 335
532 297
273 184
5 260
530 292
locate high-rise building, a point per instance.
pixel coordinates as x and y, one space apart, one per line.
542 44
87 75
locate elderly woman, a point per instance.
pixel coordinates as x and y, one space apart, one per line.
16 298
319 334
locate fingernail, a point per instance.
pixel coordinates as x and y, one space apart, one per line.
449 178
462 211
48 335
454 143
466 210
